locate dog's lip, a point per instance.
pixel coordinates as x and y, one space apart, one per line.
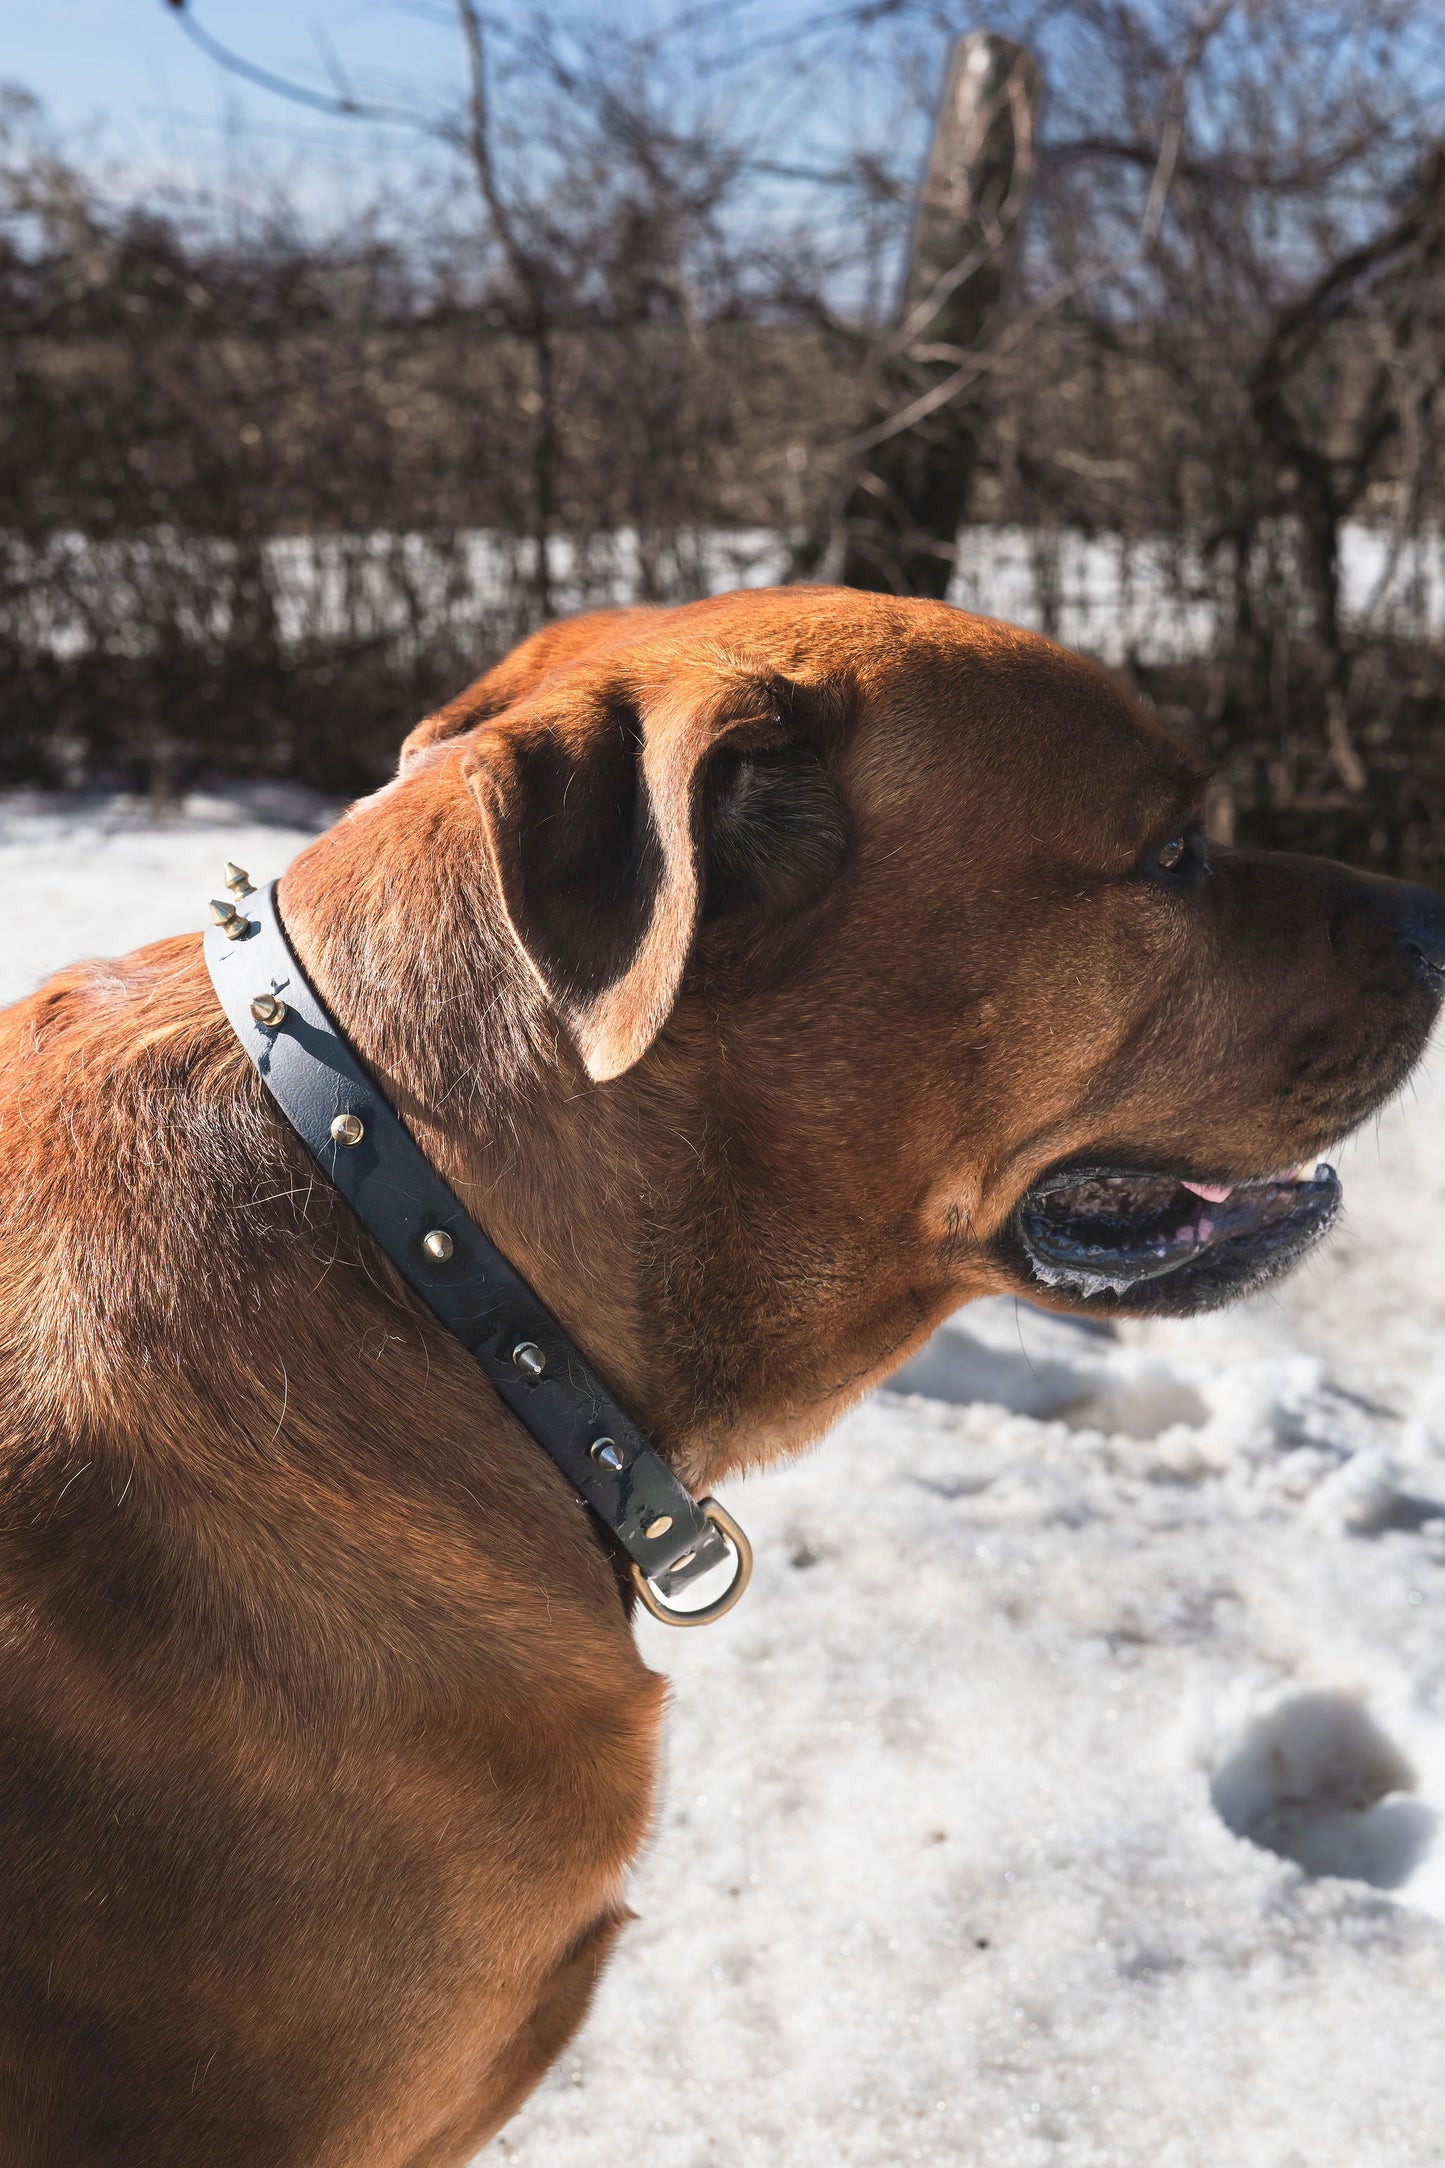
1109 1227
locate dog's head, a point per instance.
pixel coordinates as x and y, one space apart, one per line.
890 943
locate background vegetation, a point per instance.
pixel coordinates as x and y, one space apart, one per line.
268 491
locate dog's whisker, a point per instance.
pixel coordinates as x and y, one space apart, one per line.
285 1403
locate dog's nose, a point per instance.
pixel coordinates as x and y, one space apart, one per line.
1419 922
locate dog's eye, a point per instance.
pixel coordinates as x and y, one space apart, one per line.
1179 858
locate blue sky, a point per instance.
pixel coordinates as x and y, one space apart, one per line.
126 91
120 81
126 62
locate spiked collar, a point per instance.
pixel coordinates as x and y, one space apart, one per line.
365 1151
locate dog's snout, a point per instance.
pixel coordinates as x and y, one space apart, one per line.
1420 930
1409 919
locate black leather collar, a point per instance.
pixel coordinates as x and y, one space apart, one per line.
361 1145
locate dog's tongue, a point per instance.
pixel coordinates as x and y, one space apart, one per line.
1216 1192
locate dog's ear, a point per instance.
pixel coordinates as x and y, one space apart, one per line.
617 817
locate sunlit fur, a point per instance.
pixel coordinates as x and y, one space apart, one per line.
326 1746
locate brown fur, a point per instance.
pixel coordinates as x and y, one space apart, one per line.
325 1743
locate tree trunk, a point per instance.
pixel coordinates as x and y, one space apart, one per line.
901 519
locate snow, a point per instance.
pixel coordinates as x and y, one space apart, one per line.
1067 1792
1157 599
1154 598
97 874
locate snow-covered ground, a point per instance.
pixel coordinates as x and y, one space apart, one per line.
1069 1789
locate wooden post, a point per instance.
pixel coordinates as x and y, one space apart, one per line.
900 522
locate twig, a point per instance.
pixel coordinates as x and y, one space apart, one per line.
341 105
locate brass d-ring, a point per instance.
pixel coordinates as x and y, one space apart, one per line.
728 1528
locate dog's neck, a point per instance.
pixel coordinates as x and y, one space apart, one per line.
643 1210
395 918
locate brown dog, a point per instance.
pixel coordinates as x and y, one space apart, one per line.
768 977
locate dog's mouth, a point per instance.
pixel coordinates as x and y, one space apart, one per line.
1150 1242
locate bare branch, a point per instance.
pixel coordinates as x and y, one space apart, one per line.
340 104
478 138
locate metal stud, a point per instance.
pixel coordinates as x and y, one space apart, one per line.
229 919
439 1246
348 1129
660 1526
238 880
270 1010
529 1358
608 1454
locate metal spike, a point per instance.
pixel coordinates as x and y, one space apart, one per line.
529 1358
439 1246
270 1010
229 919
238 880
